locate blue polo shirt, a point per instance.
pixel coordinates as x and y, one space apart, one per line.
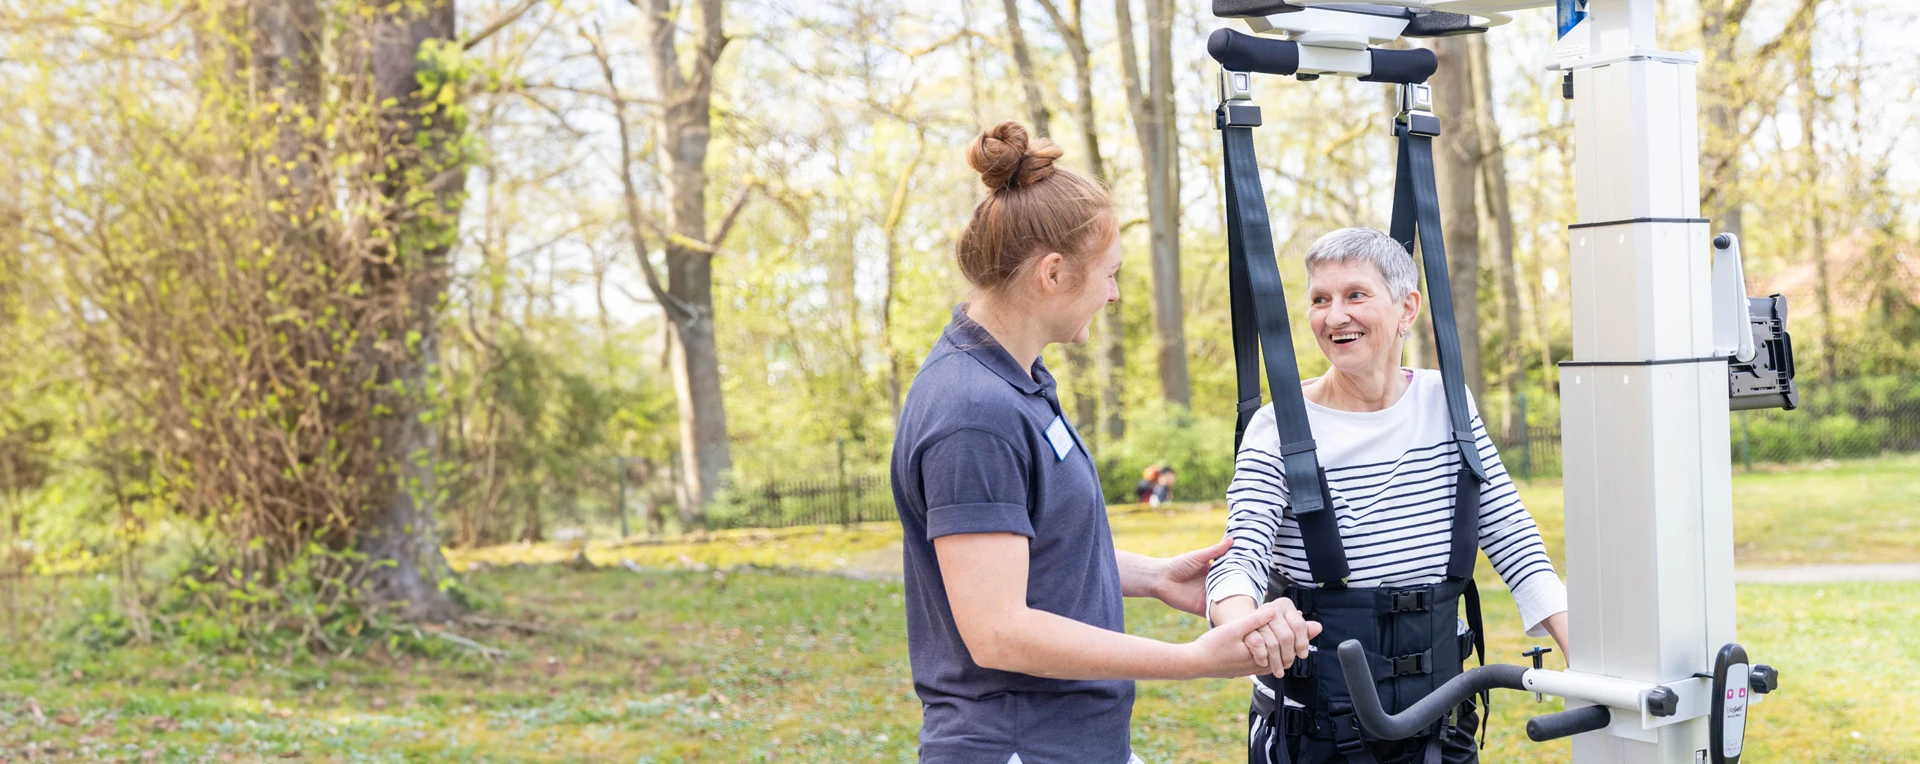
971 454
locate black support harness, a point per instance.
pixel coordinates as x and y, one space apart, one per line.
1411 634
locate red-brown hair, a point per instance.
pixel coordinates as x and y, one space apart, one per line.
1031 208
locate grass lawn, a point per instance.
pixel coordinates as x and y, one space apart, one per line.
762 666
680 662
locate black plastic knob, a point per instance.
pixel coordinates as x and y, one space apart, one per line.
1663 702
1764 679
1536 653
1722 241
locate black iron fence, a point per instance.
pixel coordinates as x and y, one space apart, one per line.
784 503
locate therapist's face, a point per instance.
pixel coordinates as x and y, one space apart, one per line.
1076 298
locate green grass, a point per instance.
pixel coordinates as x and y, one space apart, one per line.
752 664
762 666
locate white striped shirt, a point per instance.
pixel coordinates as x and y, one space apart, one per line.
1392 474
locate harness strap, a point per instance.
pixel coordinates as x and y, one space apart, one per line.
1416 214
1259 307
1479 630
1416 209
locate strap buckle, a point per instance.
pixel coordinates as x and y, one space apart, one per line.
1416 601
1417 663
1350 742
1294 721
1235 86
1416 110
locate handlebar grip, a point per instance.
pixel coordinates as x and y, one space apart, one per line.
1243 52
1402 66
1567 723
1377 722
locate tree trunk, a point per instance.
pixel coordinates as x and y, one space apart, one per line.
1720 195
403 562
896 212
1029 79
1456 155
1493 178
684 129
1815 230
286 72
1154 123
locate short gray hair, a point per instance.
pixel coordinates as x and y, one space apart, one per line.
1366 245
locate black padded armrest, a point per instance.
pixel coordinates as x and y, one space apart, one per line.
1228 9
1438 24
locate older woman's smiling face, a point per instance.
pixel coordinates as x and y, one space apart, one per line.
1355 318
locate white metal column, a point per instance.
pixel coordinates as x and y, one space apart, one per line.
1644 422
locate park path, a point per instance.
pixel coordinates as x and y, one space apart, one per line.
1829 574
884 565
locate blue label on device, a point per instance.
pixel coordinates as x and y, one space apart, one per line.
1571 13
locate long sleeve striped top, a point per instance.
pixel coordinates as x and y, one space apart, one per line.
1392 476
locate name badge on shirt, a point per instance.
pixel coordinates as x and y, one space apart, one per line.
1060 437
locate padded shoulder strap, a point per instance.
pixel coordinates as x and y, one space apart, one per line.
1259 306
1416 209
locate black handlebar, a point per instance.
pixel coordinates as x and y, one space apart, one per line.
1242 52
1377 722
1568 723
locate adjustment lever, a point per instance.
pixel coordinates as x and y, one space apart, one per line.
1536 653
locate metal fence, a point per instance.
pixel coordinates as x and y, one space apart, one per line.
784 503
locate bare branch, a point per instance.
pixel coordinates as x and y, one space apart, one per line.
631 193
499 24
719 235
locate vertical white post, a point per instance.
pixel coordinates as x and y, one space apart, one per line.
1644 420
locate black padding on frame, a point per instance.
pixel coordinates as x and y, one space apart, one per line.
1402 66
1228 9
1243 52
1441 25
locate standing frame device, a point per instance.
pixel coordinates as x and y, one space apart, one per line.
1665 345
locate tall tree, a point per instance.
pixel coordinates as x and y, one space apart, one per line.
1155 124
1729 86
1456 158
1720 22
1112 352
402 548
1813 220
683 130
1499 212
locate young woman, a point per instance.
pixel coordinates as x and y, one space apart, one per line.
1013 587
1390 462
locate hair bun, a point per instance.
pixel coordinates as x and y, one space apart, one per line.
1006 159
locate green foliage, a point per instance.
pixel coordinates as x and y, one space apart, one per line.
1198 448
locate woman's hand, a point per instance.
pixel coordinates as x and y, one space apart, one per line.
1276 645
1228 651
1181 581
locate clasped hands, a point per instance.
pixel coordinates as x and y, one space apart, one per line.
1251 638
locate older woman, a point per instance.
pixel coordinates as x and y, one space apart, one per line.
1391 464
